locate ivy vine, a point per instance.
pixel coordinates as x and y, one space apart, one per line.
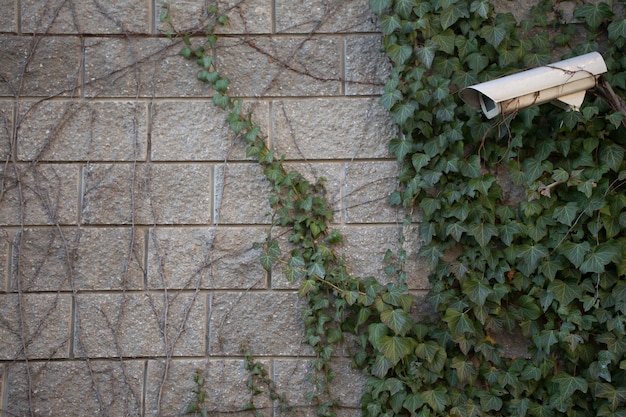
522 220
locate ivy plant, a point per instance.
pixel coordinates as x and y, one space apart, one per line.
521 218
549 264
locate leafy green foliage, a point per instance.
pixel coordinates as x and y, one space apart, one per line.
549 265
522 220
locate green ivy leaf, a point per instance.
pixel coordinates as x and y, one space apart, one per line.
565 292
458 322
489 401
494 35
389 23
575 252
612 155
531 255
482 232
445 41
600 256
617 29
566 214
397 320
436 398
593 14
452 14
426 53
568 384
481 7
399 54
395 347
404 7
379 6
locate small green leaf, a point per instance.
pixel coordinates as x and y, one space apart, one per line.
426 52
493 34
399 53
569 384
437 398
395 347
617 29
397 320
482 232
458 322
379 6
205 61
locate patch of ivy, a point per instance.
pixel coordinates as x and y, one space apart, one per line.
522 219
550 265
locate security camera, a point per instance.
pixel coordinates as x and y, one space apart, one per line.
564 83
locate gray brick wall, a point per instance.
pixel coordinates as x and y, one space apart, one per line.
128 211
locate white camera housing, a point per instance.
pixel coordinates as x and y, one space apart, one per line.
564 83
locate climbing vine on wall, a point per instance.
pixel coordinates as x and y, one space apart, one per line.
522 219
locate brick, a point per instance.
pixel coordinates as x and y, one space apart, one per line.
245 17
133 325
241 194
40 321
82 131
139 67
331 128
365 248
368 186
78 259
6 129
324 16
7 21
49 194
281 66
44 67
293 377
198 131
205 258
86 17
73 388
225 388
263 323
161 193
367 66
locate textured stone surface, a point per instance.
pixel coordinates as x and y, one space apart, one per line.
7 22
250 16
130 67
35 325
293 377
47 194
98 258
331 128
82 131
367 192
367 66
127 194
86 17
261 322
42 67
281 66
365 248
324 16
198 131
205 258
6 129
140 325
5 245
78 388
241 195
225 387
